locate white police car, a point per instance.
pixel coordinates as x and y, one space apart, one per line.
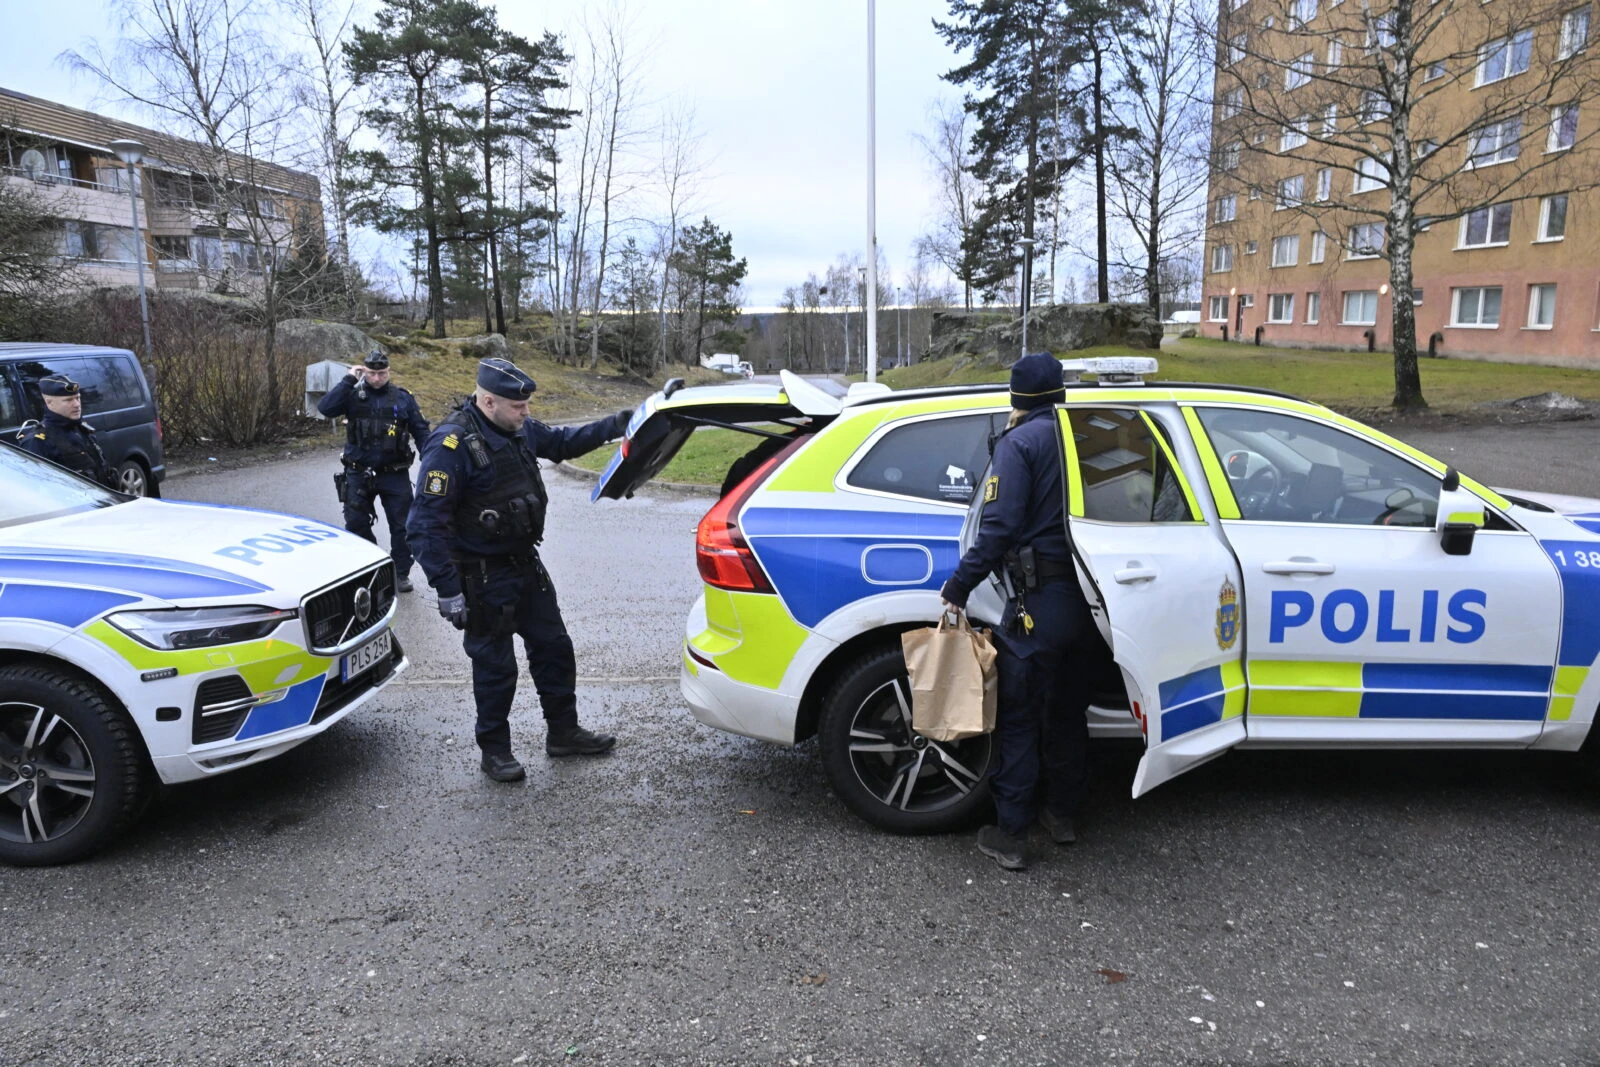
1266 572
143 641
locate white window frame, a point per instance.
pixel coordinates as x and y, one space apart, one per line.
1230 103
1544 236
1476 157
1370 174
1286 250
1335 53
1291 192
1301 12
1374 108
1251 248
1573 39
1344 310
1319 247
1490 215
1330 118
1506 52
1313 308
1434 71
1552 141
1481 290
1298 72
1224 255
1238 47
1230 155
1280 308
1225 209
1324 184
1535 292
1211 309
1294 134
1362 227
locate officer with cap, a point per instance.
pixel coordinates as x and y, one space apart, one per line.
476 527
1048 647
62 436
381 421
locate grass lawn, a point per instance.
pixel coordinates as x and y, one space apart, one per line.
704 458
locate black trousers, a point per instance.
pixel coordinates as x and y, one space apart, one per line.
1041 727
393 488
507 599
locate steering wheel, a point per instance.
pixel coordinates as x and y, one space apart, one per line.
1394 504
1260 489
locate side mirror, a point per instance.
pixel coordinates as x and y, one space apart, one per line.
1461 515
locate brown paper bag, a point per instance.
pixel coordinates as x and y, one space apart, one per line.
954 680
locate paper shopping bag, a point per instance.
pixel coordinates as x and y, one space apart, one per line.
954 680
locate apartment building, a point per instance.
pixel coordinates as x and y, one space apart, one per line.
1498 112
204 222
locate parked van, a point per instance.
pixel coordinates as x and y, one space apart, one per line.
117 402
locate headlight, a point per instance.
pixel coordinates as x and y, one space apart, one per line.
175 629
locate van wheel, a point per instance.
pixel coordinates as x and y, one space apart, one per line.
134 480
895 779
72 772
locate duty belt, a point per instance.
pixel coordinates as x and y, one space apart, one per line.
485 564
387 468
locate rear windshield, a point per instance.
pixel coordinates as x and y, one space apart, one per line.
32 489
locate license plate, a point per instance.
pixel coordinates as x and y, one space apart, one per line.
375 651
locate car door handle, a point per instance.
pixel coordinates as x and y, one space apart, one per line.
1298 565
1129 575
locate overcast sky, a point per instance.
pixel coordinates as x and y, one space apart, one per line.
779 88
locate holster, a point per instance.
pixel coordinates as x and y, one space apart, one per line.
1023 566
485 619
339 485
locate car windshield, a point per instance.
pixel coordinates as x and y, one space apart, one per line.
32 489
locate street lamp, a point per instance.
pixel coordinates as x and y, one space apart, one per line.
869 334
1025 246
898 300
132 154
870 305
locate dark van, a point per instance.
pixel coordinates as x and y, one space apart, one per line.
117 402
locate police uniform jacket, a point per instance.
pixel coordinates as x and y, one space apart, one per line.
379 422
448 476
70 443
1023 504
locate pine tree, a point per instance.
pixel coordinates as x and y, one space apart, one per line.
708 272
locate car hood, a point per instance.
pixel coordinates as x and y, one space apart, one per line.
1558 502
185 552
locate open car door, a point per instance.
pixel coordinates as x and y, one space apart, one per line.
1161 583
664 422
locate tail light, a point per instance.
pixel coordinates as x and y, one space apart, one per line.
161 434
722 553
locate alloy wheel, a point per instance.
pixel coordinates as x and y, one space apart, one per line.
903 769
47 777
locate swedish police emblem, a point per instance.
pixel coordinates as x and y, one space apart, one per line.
1227 630
436 483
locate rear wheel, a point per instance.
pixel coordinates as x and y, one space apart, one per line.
894 778
134 480
72 774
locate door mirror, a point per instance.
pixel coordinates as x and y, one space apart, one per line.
1461 515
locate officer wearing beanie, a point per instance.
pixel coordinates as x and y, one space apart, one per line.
1046 636
381 422
62 436
476 527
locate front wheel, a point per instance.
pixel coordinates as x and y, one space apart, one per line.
72 774
892 777
134 480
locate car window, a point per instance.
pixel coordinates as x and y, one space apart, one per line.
32 489
933 459
10 411
1126 470
1283 468
32 370
110 383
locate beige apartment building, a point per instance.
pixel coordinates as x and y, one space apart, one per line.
1499 113
197 230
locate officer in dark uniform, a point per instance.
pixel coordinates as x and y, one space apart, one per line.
381 421
63 436
1047 641
476 527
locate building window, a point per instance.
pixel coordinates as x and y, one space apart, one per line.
1294 135
1286 250
1426 148
1291 192
1234 5
1416 296
1226 210
1250 248
1563 128
1262 80
1434 72
1319 247
1280 307
1255 192
1218 309
99 243
1230 155
1303 12
1541 307
1268 22
1504 57
1335 52
1380 31
1298 72
1232 103
1477 307
1313 308
1324 184
1370 174
1497 142
1374 108
1366 240
1574 32
1361 307
1236 47
1330 118
1486 227
1221 259
1552 218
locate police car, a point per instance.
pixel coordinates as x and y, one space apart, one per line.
145 642
1265 571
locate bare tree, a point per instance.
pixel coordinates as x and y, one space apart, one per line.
324 93
679 169
949 153
1439 108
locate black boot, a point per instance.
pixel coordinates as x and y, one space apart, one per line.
574 740
403 583
503 767
1009 852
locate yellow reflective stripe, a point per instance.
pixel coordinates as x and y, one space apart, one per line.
1560 709
713 642
762 662
1570 679
813 469
1216 477
1310 704
1234 690
1470 518
720 616
1305 689
690 665
269 663
1172 461
1074 475
1309 674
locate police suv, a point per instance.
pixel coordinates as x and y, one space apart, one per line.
1265 571
145 642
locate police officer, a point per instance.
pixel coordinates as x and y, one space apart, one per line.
476 526
63 436
381 421
1047 642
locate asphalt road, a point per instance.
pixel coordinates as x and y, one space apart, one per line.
696 898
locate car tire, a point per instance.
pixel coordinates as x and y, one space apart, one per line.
895 779
134 480
73 772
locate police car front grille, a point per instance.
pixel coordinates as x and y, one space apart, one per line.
337 693
330 616
220 707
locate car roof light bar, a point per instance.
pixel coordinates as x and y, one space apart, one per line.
1111 370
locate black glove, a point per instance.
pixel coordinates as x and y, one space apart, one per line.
620 426
953 593
454 610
